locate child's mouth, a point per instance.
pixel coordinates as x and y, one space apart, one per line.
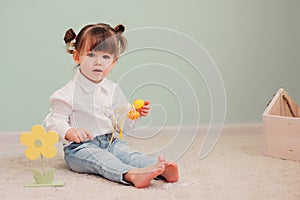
98 70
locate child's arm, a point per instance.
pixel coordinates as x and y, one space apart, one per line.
58 120
120 108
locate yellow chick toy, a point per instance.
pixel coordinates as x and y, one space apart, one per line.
138 104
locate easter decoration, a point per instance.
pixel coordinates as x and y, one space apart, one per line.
40 143
133 114
134 111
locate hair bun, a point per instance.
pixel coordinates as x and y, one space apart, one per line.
69 36
119 29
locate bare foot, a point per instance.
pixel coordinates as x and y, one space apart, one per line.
171 170
141 177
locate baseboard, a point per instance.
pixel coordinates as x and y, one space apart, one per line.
246 127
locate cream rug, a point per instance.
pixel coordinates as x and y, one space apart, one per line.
235 169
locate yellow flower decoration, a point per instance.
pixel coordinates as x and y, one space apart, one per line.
39 142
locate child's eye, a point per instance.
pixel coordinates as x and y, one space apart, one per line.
106 56
90 54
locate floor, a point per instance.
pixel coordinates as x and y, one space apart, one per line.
235 169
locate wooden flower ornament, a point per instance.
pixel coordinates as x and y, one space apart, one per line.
40 143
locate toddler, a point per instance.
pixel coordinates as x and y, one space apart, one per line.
82 113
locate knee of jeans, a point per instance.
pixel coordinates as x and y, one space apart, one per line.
121 147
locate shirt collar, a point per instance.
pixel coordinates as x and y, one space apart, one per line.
88 85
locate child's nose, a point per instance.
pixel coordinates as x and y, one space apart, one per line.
98 60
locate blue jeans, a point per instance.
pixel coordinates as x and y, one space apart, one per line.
99 157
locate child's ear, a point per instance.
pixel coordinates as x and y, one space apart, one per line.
76 57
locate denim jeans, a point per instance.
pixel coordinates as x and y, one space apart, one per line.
99 157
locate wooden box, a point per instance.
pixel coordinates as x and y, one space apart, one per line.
281 127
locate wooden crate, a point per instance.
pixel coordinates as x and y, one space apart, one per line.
281 127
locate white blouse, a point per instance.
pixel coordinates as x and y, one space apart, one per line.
84 104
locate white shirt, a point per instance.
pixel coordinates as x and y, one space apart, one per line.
84 104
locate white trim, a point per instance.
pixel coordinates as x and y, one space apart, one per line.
10 132
253 128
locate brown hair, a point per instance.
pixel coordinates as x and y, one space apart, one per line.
98 37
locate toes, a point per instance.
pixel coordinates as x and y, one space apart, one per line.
161 159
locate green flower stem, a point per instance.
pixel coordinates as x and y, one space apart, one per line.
42 160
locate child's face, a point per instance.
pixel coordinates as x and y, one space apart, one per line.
95 65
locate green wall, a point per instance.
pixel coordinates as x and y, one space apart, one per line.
255 44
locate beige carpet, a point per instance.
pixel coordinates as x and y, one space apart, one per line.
235 169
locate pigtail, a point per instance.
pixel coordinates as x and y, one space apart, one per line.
119 29
69 39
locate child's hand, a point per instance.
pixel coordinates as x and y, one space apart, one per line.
145 109
78 135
